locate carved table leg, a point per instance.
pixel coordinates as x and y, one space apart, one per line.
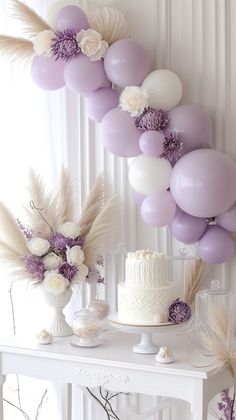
2 380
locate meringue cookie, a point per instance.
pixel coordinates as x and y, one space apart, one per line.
44 337
164 355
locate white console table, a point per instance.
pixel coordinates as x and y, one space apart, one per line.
115 367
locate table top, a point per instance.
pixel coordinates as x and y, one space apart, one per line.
116 351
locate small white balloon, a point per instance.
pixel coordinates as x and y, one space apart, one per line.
148 174
164 88
55 7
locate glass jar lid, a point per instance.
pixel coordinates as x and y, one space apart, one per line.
214 289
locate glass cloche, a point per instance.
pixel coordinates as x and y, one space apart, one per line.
87 327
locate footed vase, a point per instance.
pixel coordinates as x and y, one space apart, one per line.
57 325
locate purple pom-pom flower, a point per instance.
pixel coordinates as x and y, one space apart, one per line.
172 147
64 45
68 271
179 311
34 266
152 119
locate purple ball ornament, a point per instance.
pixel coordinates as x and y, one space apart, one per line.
71 17
126 63
100 102
119 134
83 75
179 311
47 73
193 126
186 228
227 220
158 210
203 183
216 246
151 143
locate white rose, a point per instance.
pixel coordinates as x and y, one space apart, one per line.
91 44
134 99
55 283
42 43
51 261
38 246
69 229
75 255
82 273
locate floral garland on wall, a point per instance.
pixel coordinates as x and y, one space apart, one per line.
177 179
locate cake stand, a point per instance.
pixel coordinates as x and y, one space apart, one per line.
146 345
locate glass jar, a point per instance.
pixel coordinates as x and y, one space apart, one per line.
212 306
86 327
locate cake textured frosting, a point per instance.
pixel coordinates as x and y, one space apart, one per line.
146 294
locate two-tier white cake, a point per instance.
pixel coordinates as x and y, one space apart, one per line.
146 294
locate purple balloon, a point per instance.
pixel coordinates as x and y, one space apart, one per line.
71 17
101 102
151 143
227 220
158 209
83 75
138 198
127 63
193 126
216 246
203 183
47 73
119 133
186 228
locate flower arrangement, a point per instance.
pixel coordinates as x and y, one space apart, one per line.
55 249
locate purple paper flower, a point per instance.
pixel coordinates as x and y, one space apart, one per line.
179 311
172 147
68 271
226 406
64 45
152 119
27 231
34 265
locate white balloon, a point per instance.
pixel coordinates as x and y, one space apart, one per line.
148 175
55 7
164 88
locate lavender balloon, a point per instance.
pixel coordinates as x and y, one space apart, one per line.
227 220
127 63
216 246
158 209
101 102
119 134
203 183
186 228
83 75
71 17
47 73
151 143
193 126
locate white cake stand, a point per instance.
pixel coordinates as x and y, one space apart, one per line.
146 345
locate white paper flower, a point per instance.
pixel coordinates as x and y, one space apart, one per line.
69 229
75 255
51 261
38 246
55 283
42 43
82 273
91 44
134 99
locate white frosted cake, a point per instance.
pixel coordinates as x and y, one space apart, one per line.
146 294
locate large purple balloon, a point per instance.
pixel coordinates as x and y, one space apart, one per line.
151 143
83 75
47 73
101 102
203 183
119 134
158 209
71 17
186 228
193 125
216 245
228 219
127 63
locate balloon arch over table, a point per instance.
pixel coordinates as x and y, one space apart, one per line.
177 179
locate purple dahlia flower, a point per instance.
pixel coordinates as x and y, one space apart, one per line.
152 119
68 271
179 311
172 147
64 45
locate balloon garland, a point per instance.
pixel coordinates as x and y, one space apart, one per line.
176 177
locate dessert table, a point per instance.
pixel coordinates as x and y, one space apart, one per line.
116 367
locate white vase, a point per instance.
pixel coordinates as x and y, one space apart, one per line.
58 326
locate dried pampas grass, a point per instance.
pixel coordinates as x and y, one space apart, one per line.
65 202
32 23
195 277
16 49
